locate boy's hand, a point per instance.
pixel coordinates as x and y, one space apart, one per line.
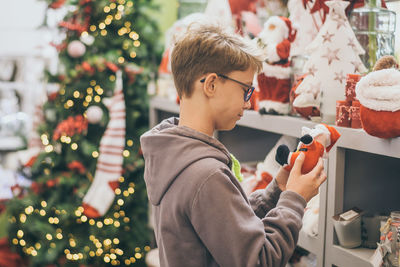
282 178
306 185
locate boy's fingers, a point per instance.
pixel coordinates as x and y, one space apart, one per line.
316 171
298 163
322 178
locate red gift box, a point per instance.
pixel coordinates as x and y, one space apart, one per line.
351 81
343 113
355 115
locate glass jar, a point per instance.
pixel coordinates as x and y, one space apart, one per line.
374 28
394 233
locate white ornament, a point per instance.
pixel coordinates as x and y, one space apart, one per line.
76 49
87 39
94 114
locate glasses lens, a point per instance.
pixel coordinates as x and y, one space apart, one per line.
248 93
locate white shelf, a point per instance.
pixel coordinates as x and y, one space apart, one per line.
356 139
309 243
351 257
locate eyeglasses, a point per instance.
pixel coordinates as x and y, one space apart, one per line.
247 92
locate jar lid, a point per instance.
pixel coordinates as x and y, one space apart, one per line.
395 215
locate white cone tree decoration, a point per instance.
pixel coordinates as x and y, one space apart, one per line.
101 193
334 53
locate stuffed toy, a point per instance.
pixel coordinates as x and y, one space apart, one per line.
379 96
274 81
268 169
314 143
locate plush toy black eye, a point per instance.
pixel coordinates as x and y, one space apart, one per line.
306 139
282 154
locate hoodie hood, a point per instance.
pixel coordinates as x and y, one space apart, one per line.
168 149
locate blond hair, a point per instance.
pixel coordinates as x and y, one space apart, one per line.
210 49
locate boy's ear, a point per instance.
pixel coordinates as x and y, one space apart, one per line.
209 87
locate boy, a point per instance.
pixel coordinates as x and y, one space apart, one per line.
202 215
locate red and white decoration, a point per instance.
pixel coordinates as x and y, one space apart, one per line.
307 25
268 169
101 193
274 82
379 95
334 54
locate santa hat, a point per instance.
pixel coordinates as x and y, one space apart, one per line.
323 129
291 31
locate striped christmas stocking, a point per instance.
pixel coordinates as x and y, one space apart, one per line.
101 193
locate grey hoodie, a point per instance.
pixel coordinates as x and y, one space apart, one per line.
201 213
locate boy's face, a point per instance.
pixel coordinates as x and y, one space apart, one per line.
229 103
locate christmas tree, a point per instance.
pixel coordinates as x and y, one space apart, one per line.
87 205
334 53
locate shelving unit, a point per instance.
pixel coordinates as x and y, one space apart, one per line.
353 166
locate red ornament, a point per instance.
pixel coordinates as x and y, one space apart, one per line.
76 166
57 4
71 126
36 188
112 66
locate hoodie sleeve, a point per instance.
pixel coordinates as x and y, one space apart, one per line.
234 235
263 200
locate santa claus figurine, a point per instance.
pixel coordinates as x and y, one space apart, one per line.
274 80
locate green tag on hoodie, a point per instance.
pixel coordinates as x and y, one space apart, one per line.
236 168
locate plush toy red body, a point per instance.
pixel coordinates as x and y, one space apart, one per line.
314 143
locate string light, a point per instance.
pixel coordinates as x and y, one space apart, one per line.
88 98
100 91
129 4
125 153
83 218
43 204
116 241
74 146
117 191
48 148
76 94
42 212
97 99
129 142
20 234
121 8
92 28
49 236
22 242
95 154
131 190
126 193
91 222
138 255
15 241
22 218
132 54
117 224
118 16
102 26
136 43
70 103
99 224
121 60
134 35
146 248
113 5
112 78
53 245
107 9
28 210
103 32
